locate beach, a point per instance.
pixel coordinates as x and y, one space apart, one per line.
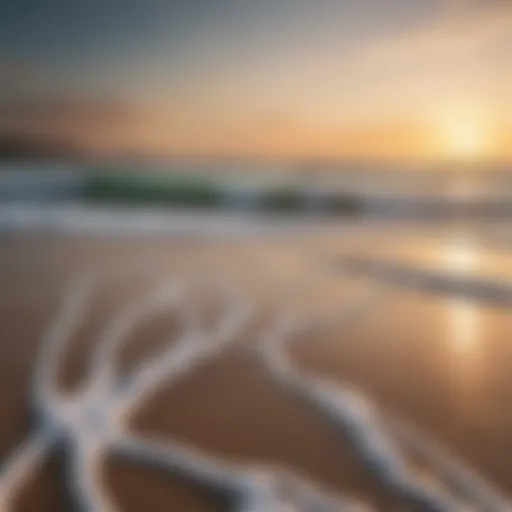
439 362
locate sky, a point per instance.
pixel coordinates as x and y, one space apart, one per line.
370 79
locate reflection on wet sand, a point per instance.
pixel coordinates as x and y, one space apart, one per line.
463 335
461 257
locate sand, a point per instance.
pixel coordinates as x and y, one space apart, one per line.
406 355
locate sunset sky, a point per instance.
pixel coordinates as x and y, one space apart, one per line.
372 79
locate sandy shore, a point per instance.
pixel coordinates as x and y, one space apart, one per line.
406 355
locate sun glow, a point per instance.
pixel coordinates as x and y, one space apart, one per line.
465 138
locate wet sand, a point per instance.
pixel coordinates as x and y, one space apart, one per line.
441 363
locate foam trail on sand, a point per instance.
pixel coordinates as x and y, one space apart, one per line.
93 421
380 446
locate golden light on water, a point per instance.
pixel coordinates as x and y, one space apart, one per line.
464 330
464 325
462 258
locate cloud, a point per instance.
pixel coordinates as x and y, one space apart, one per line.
87 122
66 109
458 33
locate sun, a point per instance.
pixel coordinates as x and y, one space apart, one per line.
462 136
465 140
